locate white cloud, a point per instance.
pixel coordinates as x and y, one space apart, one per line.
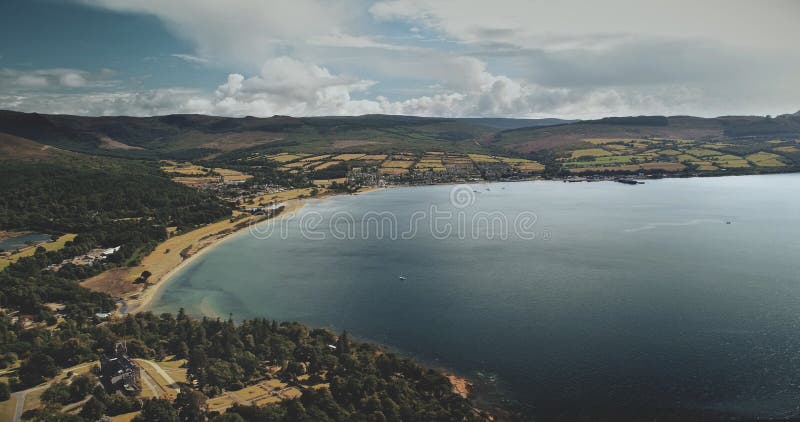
735 22
190 58
72 80
245 32
31 81
291 87
38 79
466 58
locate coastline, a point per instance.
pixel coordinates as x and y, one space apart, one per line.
144 299
118 282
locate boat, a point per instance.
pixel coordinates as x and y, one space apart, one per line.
402 277
627 181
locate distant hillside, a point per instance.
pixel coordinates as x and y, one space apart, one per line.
21 149
193 136
188 137
506 124
527 140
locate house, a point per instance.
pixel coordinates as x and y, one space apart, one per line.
119 372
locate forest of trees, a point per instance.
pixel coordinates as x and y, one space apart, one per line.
131 207
366 382
114 202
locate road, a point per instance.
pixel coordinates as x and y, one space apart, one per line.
20 395
164 375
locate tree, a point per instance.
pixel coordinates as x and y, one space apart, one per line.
38 367
157 410
57 393
119 404
81 386
295 410
191 405
343 345
227 417
5 391
93 409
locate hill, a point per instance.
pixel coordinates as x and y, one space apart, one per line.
507 124
14 147
193 136
525 140
743 144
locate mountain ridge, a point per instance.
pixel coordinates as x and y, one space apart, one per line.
192 136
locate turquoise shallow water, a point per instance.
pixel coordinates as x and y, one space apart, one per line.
630 302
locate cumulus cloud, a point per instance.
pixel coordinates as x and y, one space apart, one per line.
16 80
72 80
29 81
288 86
461 58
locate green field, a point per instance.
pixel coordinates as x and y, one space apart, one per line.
57 244
672 155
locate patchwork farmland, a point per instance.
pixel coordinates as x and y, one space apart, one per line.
601 155
398 165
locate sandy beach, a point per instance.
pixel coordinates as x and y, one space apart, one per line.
169 257
174 254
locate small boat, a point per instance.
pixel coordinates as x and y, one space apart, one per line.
402 277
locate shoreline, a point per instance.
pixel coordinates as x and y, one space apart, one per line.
143 300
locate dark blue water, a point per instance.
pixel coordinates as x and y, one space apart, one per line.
629 303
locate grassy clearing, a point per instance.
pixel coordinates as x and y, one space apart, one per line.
348 157
765 159
282 196
790 149
730 161
229 175
125 417
374 157
483 158
184 169
29 251
219 404
702 152
397 164
7 409
327 182
533 166
631 167
590 152
286 158
297 164
266 392
316 157
193 175
174 368
326 165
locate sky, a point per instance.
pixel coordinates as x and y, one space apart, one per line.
453 58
